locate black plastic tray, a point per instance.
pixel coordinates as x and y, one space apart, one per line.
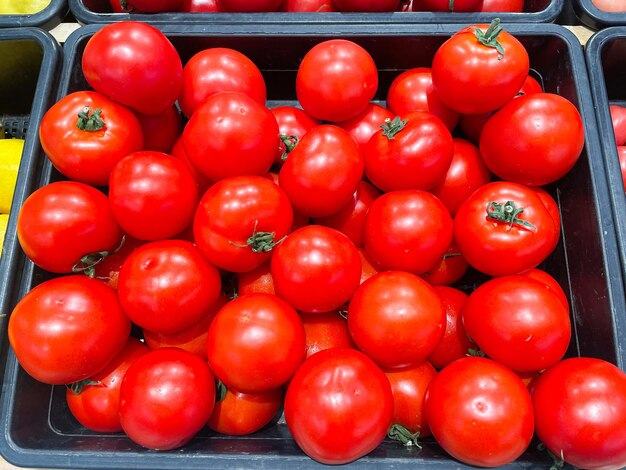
99 11
47 19
594 18
36 428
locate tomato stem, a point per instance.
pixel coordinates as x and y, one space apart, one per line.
490 37
260 242
392 127
220 390
124 5
87 264
89 120
290 142
399 433
78 387
508 213
450 5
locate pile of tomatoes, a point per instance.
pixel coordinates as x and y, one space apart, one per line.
238 239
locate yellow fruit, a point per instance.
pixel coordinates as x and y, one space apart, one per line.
22 7
4 221
10 156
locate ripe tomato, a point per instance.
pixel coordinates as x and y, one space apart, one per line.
364 125
550 283
96 403
534 139
244 136
108 270
200 6
135 64
167 285
256 343
353 406
240 220
479 69
307 5
67 329
407 231
160 131
293 123
322 173
166 397
316 269
553 209
410 153
324 331
447 6
618 6
62 223
449 269
497 6
259 280
366 5
219 69
480 412
178 151
618 121
238 414
504 228
349 84
85 134
250 5
150 6
580 412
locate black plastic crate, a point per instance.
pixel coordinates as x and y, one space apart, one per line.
47 19
99 11
594 18
37 428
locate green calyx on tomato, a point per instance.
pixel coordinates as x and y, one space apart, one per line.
508 213
124 5
260 242
490 37
87 264
392 127
290 142
77 387
220 390
89 120
399 433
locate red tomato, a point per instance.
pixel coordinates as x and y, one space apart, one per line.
160 131
618 6
621 153
350 80
447 6
363 126
219 69
108 270
367 266
366 5
497 6
240 220
324 331
293 123
244 136
410 153
407 231
307 5
479 69
256 343
580 412
62 225
504 228
322 173
466 174
67 329
116 6
166 286
85 134
250 5
135 64
178 151
166 397
200 6
553 209
550 283
352 403
396 318
618 121
534 139
480 412
455 342
413 90
516 321
259 280
150 6
316 269
530 86
96 404
238 414
449 269
152 195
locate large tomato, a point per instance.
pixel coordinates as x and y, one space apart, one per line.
293 123
200 6
160 131
307 5
350 80
62 223
324 331
135 64
257 281
68 329
85 134
449 269
338 406
366 5
364 125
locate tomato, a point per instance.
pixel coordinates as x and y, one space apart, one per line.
239 414
516 321
455 342
116 6
449 269
96 403
496 6
396 318
530 86
618 6
447 6
466 173
366 5
350 219
135 64
178 151
550 283
61 223
364 125
324 331
580 412
410 153
413 90
160 131
258 280
621 153
534 140
219 69
256 343
240 220
108 270
167 285
244 136
322 173
152 195
250 5
200 6
85 134
409 387
166 397
618 121
350 80
480 412
553 209
353 406
479 69
67 329
407 231
293 123
150 6
307 5
504 228
316 269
